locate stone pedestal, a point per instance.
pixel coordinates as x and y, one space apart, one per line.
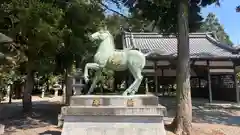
2 129
113 115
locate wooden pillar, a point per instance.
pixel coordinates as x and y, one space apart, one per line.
73 83
146 86
163 86
115 84
126 81
209 83
155 77
236 85
81 88
129 80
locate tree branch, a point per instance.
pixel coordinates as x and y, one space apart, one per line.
155 23
109 9
238 8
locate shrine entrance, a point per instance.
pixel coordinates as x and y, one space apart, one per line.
223 87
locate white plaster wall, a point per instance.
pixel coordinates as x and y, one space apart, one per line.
221 70
172 72
149 63
221 63
151 71
200 63
214 63
203 63
148 70
163 63
166 72
159 63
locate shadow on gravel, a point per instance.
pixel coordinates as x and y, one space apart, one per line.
205 113
51 133
44 113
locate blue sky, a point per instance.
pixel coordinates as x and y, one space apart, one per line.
228 17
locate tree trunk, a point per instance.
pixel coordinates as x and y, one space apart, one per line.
43 90
64 95
27 94
10 93
182 122
47 83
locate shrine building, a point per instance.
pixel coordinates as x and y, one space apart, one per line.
213 65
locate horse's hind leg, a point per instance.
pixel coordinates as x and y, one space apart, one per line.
129 89
133 88
138 78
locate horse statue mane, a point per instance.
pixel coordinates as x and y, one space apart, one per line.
111 36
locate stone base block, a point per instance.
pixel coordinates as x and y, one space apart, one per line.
113 115
113 111
114 100
2 127
113 125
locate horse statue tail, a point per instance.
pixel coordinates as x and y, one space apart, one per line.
162 54
147 54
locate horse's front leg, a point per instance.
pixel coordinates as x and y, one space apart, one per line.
95 81
88 66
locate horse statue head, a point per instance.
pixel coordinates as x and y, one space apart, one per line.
102 34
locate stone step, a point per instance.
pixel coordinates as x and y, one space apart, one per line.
78 85
114 100
113 120
113 125
2 127
113 115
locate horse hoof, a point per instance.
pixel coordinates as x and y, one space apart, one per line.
86 79
132 92
124 94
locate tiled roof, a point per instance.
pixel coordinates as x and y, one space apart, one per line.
237 47
201 45
5 39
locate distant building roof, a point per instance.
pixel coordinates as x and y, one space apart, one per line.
202 45
237 47
5 39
